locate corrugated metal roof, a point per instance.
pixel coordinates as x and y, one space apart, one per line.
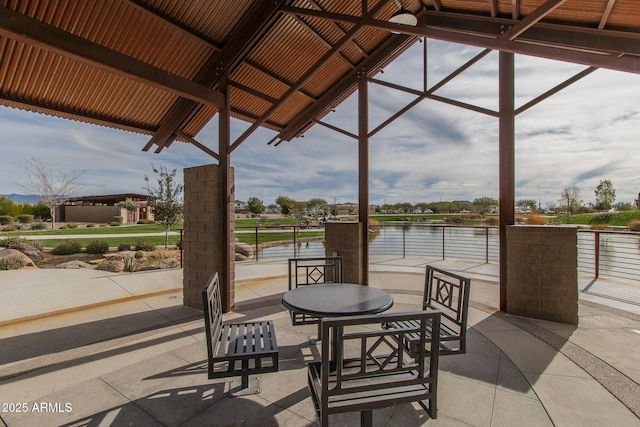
153 66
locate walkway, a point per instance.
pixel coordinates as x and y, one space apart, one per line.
134 356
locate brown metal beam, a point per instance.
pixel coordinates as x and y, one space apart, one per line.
346 85
224 197
253 25
363 170
309 74
36 33
568 43
506 149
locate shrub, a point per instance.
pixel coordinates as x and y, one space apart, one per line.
103 225
124 247
130 264
146 221
491 220
118 219
634 225
535 219
38 226
10 263
6 219
12 240
91 225
72 225
10 227
115 224
66 247
601 218
62 226
145 245
598 226
38 244
97 247
25 219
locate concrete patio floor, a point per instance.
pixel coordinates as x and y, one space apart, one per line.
88 348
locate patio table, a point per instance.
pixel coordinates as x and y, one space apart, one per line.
337 299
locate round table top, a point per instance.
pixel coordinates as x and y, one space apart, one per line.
337 299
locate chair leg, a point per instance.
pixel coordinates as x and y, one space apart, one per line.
366 418
247 385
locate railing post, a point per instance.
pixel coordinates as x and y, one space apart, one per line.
486 245
443 242
257 256
404 241
596 251
295 244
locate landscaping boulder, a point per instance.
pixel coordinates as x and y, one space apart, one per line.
160 264
114 266
30 251
25 261
244 249
75 265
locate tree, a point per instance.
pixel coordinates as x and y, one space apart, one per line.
527 205
52 186
286 204
165 200
8 207
605 195
484 204
570 199
315 204
255 205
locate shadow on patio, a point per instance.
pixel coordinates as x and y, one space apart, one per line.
516 371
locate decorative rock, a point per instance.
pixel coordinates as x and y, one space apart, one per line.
244 249
28 250
113 266
240 257
160 264
75 265
24 260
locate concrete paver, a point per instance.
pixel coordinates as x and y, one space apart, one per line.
137 357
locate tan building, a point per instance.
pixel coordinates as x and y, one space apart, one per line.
103 209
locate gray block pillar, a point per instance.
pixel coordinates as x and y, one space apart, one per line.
345 239
542 278
204 249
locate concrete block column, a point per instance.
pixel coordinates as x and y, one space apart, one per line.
345 239
542 277
203 239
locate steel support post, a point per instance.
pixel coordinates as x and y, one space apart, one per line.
363 171
506 162
224 198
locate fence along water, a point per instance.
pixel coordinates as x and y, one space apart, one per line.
614 254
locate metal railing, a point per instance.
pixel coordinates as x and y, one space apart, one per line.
614 254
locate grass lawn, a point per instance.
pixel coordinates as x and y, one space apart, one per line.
617 219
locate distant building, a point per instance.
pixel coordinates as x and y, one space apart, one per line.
103 209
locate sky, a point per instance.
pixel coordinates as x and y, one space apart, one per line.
588 132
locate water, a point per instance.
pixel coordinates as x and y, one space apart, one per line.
414 240
619 253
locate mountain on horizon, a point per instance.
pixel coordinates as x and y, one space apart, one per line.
21 198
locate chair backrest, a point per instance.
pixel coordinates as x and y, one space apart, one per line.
448 293
310 271
363 349
212 305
